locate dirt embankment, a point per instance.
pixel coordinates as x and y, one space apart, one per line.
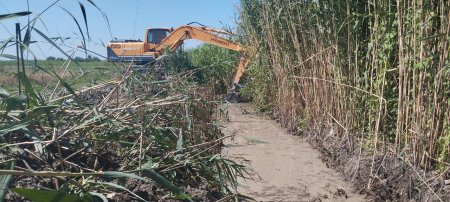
389 179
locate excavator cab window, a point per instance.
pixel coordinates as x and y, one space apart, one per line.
155 36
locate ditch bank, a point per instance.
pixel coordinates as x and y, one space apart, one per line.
388 179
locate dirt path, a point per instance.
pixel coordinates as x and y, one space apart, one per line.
290 169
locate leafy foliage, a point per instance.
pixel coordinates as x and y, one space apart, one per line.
207 65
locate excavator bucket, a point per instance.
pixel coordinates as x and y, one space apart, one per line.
232 97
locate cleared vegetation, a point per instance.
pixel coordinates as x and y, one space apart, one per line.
97 131
138 135
371 75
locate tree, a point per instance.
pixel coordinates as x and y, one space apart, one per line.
50 58
78 59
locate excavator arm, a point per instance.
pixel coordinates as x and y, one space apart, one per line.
207 35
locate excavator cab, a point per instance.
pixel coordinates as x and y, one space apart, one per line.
156 35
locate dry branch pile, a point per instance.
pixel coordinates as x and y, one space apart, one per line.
135 138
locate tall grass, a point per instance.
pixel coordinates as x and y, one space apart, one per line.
207 65
374 69
216 66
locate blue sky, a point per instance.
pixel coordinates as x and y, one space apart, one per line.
128 20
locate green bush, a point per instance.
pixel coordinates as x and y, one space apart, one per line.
216 66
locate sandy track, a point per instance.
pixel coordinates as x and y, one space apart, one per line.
290 169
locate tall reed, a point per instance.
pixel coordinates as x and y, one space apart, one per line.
375 69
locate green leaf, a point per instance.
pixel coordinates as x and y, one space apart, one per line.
161 180
51 42
151 165
88 122
117 187
79 28
5 179
18 126
31 117
57 47
28 88
83 10
157 178
5 43
115 174
4 92
27 38
46 196
8 56
105 17
37 111
11 15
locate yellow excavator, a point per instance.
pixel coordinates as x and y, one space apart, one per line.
157 40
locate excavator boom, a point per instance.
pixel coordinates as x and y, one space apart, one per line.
179 35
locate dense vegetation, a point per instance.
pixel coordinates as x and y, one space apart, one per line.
374 74
377 71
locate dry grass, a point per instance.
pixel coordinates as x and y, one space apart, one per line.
135 127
